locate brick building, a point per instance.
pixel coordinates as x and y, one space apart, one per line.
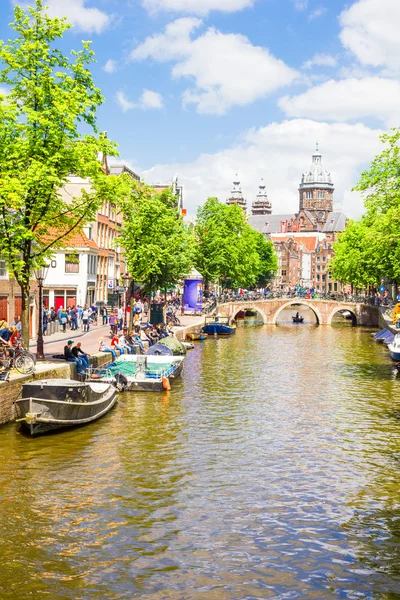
304 240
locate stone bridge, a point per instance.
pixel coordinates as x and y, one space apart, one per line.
324 310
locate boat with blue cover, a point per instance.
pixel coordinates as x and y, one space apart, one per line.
382 335
217 325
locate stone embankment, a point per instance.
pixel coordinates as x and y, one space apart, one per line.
10 391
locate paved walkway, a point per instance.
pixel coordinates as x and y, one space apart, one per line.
90 341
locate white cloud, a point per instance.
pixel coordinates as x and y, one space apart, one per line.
198 7
82 17
300 5
124 102
110 66
148 100
315 14
320 60
370 30
279 152
348 99
227 69
151 99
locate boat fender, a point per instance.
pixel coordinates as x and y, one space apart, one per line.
166 384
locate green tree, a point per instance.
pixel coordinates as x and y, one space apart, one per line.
158 248
228 250
49 95
353 259
369 249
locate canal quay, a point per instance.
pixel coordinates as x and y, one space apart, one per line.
270 470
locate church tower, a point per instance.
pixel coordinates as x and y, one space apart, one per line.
316 190
236 196
261 206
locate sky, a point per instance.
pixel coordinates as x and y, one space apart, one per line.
206 89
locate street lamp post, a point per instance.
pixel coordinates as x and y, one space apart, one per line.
40 276
126 279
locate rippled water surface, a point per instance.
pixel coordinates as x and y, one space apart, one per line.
272 470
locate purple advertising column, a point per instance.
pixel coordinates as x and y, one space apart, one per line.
193 293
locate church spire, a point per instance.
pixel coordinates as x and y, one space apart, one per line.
236 196
261 206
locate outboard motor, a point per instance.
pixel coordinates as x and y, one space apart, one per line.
121 382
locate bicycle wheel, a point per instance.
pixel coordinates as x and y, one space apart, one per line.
25 363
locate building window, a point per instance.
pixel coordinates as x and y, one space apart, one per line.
335 287
283 272
3 270
72 263
321 195
317 277
323 277
330 287
309 195
318 268
318 259
323 258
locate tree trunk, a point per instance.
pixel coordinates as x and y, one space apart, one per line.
25 316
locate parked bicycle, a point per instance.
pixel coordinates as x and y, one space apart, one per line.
172 318
16 357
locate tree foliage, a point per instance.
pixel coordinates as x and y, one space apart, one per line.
158 248
49 96
369 250
228 249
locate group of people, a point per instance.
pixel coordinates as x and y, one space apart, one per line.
10 333
134 340
73 317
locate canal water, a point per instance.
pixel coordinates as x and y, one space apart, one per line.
272 470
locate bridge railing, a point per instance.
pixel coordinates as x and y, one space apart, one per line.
339 298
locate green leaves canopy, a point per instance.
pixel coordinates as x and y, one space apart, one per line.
369 250
158 248
49 96
228 249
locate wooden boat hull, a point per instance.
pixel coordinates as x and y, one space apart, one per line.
82 403
196 335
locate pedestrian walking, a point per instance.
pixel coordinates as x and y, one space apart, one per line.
85 319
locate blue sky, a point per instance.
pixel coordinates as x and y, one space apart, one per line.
204 88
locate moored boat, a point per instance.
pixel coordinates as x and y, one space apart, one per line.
394 348
196 335
51 404
382 335
217 326
143 373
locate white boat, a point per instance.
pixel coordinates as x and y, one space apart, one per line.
143 373
394 347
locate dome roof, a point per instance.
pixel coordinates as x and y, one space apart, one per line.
316 176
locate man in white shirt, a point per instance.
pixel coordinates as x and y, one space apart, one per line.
120 318
85 319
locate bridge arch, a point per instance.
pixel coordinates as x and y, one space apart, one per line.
297 302
341 308
253 308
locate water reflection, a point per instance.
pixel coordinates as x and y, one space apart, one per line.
269 471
